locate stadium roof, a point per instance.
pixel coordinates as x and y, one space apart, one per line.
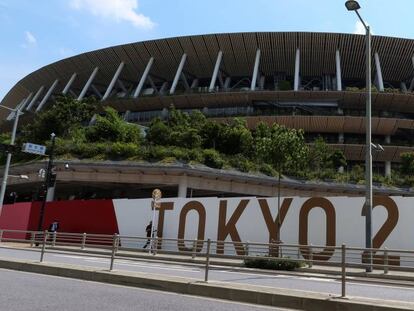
317 57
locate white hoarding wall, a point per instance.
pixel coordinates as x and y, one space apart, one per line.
330 221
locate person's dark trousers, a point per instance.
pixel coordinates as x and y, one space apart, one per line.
148 242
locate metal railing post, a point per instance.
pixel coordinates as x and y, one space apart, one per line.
310 256
114 249
83 240
280 249
343 268
154 251
1 235
247 249
32 238
54 239
207 260
193 253
386 261
42 253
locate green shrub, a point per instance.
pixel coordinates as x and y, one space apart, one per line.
157 153
212 158
196 155
273 263
268 170
88 150
241 163
111 127
123 150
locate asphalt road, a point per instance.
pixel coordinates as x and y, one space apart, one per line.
20 291
221 274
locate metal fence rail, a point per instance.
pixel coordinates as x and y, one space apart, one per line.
306 255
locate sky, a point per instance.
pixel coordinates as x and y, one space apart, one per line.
35 33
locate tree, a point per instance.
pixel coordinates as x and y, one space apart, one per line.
111 127
407 163
235 138
65 115
319 154
337 159
210 134
158 133
282 147
181 130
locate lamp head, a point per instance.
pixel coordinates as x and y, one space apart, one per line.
352 5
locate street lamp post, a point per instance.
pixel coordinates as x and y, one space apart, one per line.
9 155
156 196
48 179
352 5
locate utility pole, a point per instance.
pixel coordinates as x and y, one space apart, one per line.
9 155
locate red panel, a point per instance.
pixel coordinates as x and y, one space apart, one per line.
15 217
92 216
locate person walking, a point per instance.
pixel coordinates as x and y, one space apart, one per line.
148 230
54 226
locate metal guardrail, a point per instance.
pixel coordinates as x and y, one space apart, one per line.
343 256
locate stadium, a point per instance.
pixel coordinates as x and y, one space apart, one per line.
309 81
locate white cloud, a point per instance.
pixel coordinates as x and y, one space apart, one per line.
30 38
119 10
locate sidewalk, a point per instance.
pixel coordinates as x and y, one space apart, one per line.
400 277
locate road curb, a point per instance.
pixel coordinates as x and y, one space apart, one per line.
236 292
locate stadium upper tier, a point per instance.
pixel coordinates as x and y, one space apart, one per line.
313 81
237 62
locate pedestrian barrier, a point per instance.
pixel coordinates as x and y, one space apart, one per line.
307 255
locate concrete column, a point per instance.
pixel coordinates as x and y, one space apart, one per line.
388 139
113 81
47 96
164 113
227 83
96 91
379 73
338 71
255 71
88 83
126 115
143 78
178 74
69 84
194 84
164 88
262 81
297 66
27 100
215 72
182 187
341 138
388 168
34 99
